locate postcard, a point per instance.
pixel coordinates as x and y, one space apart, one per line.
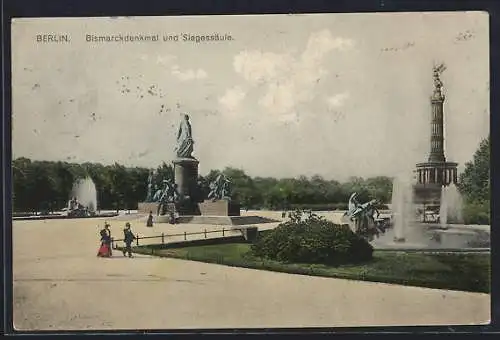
251 171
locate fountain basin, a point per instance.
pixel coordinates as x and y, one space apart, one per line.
60 217
424 236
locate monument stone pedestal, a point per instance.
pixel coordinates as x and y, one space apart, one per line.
186 175
146 207
219 208
186 179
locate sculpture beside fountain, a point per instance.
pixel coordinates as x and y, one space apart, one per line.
361 218
76 209
84 199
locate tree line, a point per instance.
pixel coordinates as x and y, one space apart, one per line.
47 185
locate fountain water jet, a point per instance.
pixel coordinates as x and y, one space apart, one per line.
451 205
85 192
402 206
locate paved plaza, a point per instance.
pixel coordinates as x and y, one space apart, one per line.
60 284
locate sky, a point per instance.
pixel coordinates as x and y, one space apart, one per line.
335 95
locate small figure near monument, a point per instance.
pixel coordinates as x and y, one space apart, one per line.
185 143
128 238
149 222
105 249
220 188
172 218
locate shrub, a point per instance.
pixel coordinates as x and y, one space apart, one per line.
308 238
329 206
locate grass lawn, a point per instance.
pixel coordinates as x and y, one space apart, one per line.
454 271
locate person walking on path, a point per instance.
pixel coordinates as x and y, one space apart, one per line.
149 222
105 249
128 237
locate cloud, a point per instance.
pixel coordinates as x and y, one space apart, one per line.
321 43
189 74
163 60
257 66
289 80
337 100
232 98
289 118
159 59
282 97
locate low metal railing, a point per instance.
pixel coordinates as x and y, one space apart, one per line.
164 236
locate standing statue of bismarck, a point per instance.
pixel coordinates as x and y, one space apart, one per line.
184 147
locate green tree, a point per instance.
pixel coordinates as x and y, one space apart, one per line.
379 188
64 179
137 190
474 182
243 188
20 188
118 178
43 186
356 184
474 185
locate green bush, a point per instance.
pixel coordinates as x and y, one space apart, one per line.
477 213
312 239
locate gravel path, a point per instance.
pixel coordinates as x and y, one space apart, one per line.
60 284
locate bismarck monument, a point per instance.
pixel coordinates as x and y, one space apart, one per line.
184 196
432 175
186 171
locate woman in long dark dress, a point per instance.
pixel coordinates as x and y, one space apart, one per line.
105 249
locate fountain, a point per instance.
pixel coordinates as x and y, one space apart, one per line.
84 201
409 234
450 210
406 232
403 208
